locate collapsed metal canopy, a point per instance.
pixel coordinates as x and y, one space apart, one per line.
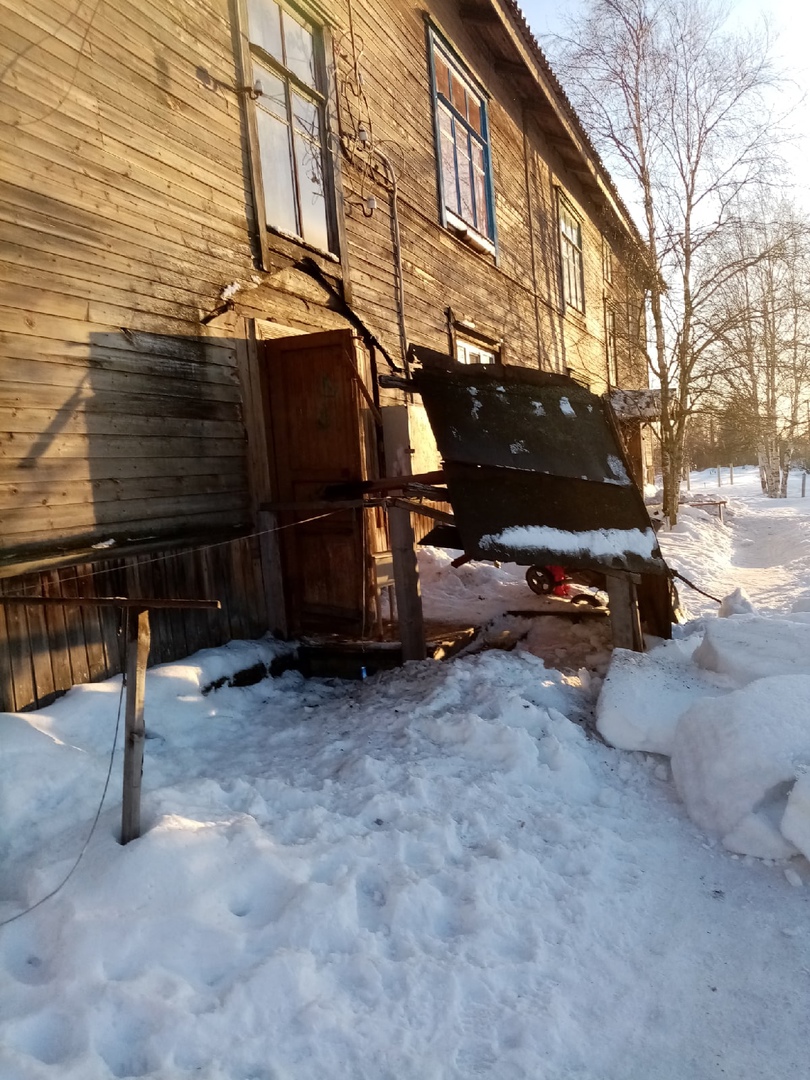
535 468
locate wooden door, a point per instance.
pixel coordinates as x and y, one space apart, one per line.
317 435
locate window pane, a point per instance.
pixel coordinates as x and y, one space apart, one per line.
468 353
442 75
309 165
264 20
300 49
274 94
448 155
464 178
480 186
474 112
458 94
306 117
277 180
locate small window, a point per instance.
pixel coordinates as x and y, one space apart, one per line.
611 352
286 58
571 257
607 262
471 352
462 145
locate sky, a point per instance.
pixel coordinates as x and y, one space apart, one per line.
789 23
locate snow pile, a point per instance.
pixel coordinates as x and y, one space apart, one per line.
392 878
432 873
749 647
735 758
664 678
736 603
731 703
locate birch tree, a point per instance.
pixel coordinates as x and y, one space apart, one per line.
678 106
762 351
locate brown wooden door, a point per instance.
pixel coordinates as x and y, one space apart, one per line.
317 437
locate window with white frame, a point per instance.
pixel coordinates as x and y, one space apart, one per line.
571 256
288 73
462 144
472 352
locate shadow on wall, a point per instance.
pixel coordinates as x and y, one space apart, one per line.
131 469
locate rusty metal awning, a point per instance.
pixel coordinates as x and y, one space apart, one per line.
643 405
535 468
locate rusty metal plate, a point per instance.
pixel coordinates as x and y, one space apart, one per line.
531 421
534 518
535 469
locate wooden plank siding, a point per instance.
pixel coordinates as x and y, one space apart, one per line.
129 392
45 651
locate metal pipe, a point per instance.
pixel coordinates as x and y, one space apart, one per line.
397 245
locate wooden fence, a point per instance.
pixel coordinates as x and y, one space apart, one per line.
46 650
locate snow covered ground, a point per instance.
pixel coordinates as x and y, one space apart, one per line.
434 874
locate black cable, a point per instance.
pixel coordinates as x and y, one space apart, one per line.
692 585
86 844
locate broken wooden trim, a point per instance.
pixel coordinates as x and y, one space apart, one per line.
423 509
111 601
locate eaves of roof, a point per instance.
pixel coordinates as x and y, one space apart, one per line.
550 86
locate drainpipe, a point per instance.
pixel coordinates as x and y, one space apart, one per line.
391 176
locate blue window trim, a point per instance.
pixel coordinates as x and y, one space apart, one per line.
434 40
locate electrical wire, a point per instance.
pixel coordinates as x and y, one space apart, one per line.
194 550
80 856
691 584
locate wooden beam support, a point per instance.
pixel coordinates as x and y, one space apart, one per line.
109 601
138 637
272 576
624 616
423 509
406 577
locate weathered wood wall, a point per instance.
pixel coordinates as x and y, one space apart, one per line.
46 650
122 215
515 296
127 394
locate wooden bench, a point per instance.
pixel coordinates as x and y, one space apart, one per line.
715 505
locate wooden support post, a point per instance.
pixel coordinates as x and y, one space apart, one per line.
137 655
406 581
731 475
719 477
270 554
624 616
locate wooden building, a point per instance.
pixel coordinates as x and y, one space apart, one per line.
222 221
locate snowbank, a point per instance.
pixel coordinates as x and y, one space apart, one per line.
749 647
644 695
735 758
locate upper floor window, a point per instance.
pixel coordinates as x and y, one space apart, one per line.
611 350
462 145
288 73
571 257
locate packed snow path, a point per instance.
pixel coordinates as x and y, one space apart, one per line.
765 546
430 875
